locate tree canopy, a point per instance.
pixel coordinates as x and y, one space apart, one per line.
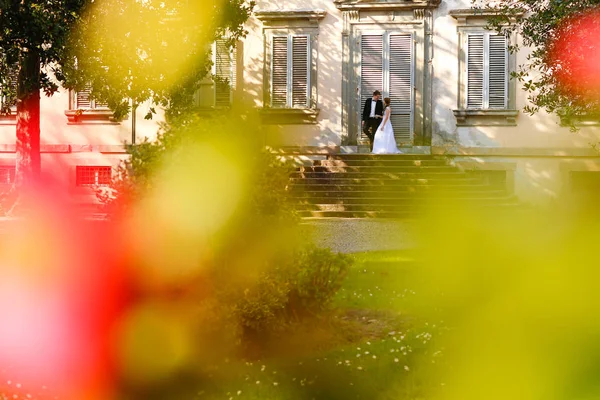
560 73
125 51
134 51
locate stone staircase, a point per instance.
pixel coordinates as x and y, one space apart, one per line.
392 186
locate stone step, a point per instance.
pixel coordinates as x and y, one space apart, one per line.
391 186
360 156
326 180
401 204
380 163
378 169
408 213
374 197
363 189
379 175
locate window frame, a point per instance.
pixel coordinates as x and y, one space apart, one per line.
97 172
11 119
79 115
283 23
473 22
74 101
486 72
209 81
289 103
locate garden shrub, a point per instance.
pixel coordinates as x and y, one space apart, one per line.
304 287
263 275
318 276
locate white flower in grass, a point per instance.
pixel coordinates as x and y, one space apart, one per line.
258 382
396 360
262 368
359 368
368 343
406 368
366 352
358 355
239 392
374 356
275 384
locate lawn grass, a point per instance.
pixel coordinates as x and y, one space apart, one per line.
373 347
383 352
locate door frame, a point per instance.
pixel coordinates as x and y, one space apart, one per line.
386 89
394 17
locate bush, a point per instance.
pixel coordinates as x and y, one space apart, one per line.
318 276
262 275
286 294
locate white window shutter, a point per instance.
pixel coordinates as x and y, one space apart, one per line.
11 80
83 101
300 71
371 67
279 71
401 83
475 71
82 98
224 71
498 71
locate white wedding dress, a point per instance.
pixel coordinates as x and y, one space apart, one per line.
385 142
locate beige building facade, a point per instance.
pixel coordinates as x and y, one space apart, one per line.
81 143
309 65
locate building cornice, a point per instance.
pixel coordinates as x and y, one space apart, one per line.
374 5
310 15
463 13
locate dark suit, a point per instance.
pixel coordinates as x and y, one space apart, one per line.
371 124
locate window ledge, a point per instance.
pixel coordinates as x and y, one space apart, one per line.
289 116
213 110
8 119
580 121
486 117
91 116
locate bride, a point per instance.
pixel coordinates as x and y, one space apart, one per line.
385 142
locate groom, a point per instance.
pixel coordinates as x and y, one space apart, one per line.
372 115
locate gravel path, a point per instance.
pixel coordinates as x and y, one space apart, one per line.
358 235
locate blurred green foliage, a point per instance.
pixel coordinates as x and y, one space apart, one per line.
263 276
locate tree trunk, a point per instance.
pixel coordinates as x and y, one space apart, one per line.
28 164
